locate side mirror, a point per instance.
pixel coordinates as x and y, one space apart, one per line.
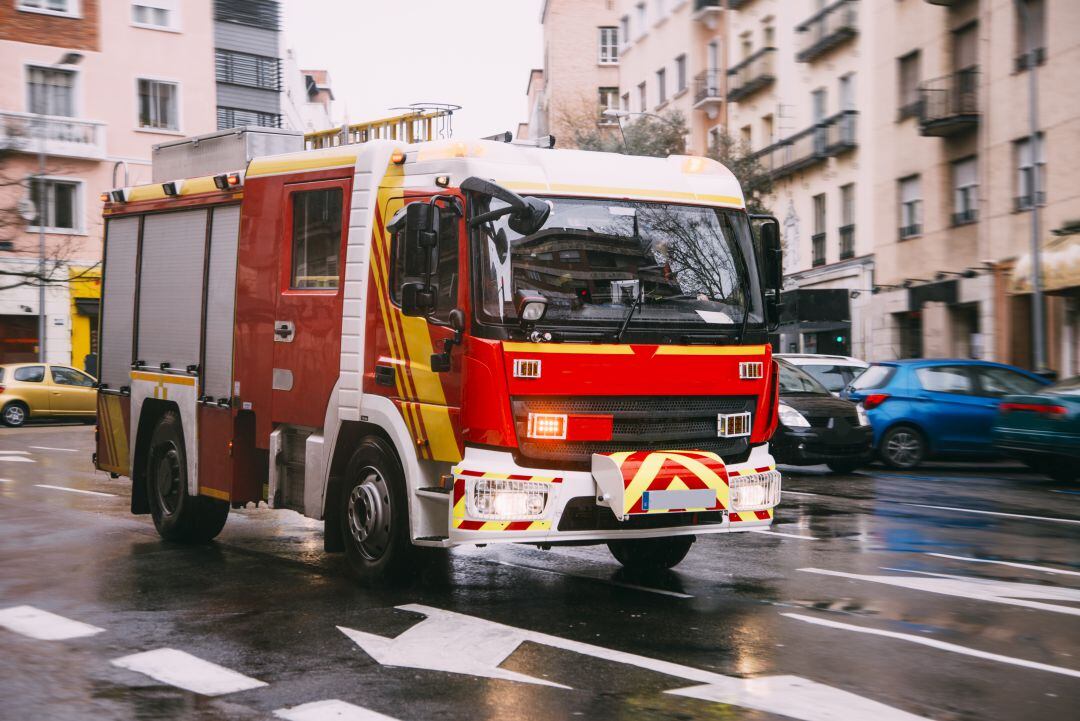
530 218
421 225
527 215
417 298
772 267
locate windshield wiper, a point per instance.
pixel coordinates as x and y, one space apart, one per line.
634 305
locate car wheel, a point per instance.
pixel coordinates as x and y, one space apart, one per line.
178 516
375 515
15 414
651 553
903 447
843 466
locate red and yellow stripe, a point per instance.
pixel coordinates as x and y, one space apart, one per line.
670 471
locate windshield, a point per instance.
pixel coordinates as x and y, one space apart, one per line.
795 381
833 377
593 258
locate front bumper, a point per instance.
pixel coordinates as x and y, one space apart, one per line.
578 510
810 446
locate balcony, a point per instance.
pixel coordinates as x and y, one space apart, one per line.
63 137
965 217
847 241
831 137
708 94
944 3
950 105
828 29
817 244
751 75
708 11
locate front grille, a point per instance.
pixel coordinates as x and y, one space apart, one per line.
846 449
639 423
837 421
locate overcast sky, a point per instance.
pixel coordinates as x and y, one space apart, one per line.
475 53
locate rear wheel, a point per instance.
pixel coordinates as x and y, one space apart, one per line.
1058 468
903 447
15 414
178 516
651 553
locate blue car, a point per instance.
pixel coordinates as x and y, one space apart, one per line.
943 408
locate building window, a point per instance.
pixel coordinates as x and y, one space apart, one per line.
316 225
154 14
609 46
746 136
1027 164
847 221
641 19
643 98
965 191
680 73
818 239
626 102
1030 36
769 37
264 14
66 8
661 86
624 30
254 71
609 100
158 107
50 92
57 201
910 206
238 118
846 89
908 84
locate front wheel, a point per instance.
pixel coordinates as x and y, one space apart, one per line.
178 515
651 553
903 448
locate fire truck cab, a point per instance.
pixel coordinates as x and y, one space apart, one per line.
441 343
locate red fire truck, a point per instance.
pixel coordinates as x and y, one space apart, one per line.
440 343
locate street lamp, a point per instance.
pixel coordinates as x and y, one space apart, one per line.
43 205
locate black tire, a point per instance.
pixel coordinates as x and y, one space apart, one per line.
642 554
843 466
903 447
374 515
15 414
1063 470
178 516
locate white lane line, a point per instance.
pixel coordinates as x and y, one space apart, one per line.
797 493
42 625
6 480
185 671
74 490
942 645
331 710
587 577
1028 566
769 532
50 448
997 513
14 453
15 459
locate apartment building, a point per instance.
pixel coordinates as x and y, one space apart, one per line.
247 56
307 100
89 88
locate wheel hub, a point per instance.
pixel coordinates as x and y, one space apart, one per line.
903 448
167 481
369 514
14 415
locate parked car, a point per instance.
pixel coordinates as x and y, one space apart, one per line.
1042 429
816 427
834 372
938 407
45 390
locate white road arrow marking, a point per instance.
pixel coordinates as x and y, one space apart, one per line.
185 671
1006 592
456 643
332 710
951 647
42 625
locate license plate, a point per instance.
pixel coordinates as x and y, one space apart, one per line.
669 500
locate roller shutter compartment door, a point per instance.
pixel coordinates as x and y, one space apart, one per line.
221 303
171 288
118 301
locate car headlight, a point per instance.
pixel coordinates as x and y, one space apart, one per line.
864 420
792 418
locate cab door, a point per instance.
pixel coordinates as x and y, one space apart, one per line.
307 316
72 392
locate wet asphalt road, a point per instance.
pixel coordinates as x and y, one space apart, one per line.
952 593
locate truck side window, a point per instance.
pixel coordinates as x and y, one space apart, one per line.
316 239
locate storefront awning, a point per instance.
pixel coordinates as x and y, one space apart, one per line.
1060 261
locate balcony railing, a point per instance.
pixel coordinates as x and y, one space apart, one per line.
63 137
817 245
963 217
752 74
847 241
829 28
950 104
707 88
910 231
831 137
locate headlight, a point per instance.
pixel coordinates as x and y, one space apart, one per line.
864 420
502 500
792 418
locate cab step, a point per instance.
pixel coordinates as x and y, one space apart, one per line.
433 541
436 492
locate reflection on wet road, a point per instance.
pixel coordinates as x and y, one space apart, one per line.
953 593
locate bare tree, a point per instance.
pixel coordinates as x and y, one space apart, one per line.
755 179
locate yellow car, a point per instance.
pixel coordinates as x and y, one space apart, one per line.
45 390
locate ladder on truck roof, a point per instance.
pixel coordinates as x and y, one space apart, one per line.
422 122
